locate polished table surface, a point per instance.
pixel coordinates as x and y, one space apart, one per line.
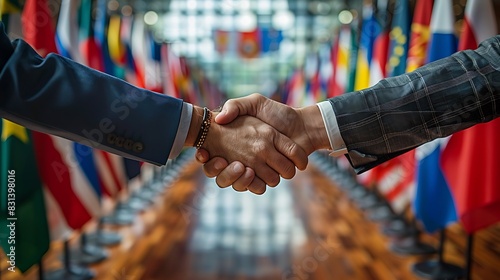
305 228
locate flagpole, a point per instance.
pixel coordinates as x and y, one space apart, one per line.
411 245
438 269
468 268
40 270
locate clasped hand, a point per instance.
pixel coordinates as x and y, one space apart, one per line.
254 141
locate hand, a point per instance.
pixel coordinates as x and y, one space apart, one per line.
258 146
304 126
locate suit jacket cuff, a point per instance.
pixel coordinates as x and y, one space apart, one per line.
332 129
182 130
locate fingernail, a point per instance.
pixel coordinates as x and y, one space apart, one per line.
199 157
218 165
238 168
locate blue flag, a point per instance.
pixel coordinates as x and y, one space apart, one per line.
399 39
270 39
434 205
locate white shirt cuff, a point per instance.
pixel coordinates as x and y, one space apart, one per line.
332 129
182 130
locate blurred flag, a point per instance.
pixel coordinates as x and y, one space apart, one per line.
353 61
67 30
397 181
154 81
296 89
325 72
109 167
249 44
167 71
434 205
139 50
75 158
53 171
111 171
341 61
369 31
471 160
116 48
185 83
312 83
221 40
10 13
380 46
100 34
400 37
22 206
91 52
125 36
420 35
270 39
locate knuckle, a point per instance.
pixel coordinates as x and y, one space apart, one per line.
267 131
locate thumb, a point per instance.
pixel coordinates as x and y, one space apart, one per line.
248 105
229 112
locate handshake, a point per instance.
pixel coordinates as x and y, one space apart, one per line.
254 141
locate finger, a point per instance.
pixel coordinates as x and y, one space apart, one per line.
244 181
214 166
267 174
281 164
291 150
202 155
257 186
230 174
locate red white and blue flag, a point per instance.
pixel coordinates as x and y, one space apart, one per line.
471 160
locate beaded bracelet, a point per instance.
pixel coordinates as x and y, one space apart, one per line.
205 125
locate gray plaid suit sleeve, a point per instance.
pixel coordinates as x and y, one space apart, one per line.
436 100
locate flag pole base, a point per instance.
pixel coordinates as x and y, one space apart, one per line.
120 217
358 193
381 214
134 204
73 273
104 238
412 246
88 254
369 202
434 269
399 228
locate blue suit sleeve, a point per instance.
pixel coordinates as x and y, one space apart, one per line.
58 96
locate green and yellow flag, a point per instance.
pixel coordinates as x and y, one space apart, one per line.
7 8
24 233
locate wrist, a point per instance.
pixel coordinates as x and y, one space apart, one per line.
315 127
194 127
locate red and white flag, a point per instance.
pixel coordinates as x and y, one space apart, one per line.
471 160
